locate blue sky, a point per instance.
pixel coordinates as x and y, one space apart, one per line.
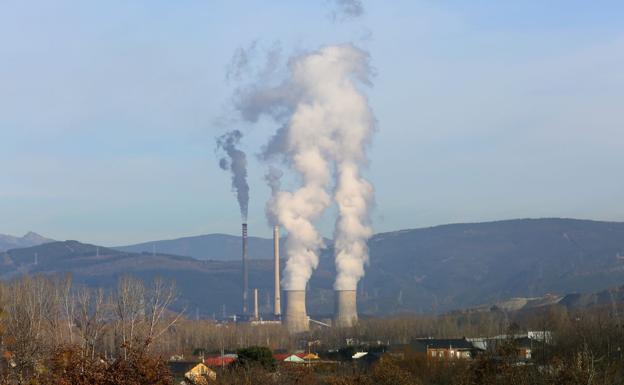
486 110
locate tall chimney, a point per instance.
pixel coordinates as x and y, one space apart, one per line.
256 310
277 302
296 317
346 308
245 272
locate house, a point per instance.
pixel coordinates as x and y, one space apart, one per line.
524 346
452 348
220 361
200 374
280 357
191 372
294 359
310 357
297 358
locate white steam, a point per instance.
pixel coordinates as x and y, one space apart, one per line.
273 178
354 196
326 126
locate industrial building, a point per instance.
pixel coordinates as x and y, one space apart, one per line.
295 316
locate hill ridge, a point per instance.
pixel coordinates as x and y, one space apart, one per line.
427 270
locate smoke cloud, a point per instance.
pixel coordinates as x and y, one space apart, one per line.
346 9
326 124
236 162
241 61
273 177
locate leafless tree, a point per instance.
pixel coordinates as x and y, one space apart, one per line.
129 307
143 314
159 298
90 318
27 306
67 303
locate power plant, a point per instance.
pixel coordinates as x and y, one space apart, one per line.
321 158
295 315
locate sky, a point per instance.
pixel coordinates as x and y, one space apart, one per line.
486 110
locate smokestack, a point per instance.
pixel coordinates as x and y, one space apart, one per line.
346 308
245 271
256 311
296 317
277 303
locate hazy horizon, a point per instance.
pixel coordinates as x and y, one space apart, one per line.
109 112
269 236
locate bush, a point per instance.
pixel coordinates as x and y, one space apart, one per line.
69 366
256 356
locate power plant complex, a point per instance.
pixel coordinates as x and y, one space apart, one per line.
295 316
326 149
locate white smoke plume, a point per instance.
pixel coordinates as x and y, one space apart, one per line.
327 124
273 177
236 163
354 196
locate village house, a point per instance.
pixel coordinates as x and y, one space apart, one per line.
524 344
450 349
454 348
191 373
220 361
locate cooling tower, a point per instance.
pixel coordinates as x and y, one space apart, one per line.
277 303
245 272
296 317
346 308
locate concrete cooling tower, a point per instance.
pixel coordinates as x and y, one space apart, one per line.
346 308
296 317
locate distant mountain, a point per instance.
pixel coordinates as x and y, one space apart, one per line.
513 264
8 242
203 285
218 247
462 265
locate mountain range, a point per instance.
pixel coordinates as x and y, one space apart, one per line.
428 270
218 247
29 239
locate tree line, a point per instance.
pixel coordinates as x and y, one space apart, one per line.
53 331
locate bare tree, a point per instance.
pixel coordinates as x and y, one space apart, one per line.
90 318
159 298
27 305
129 307
67 305
143 314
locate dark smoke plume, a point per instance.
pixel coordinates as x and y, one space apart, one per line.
236 162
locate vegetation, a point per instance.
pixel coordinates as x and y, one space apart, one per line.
55 332
256 356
